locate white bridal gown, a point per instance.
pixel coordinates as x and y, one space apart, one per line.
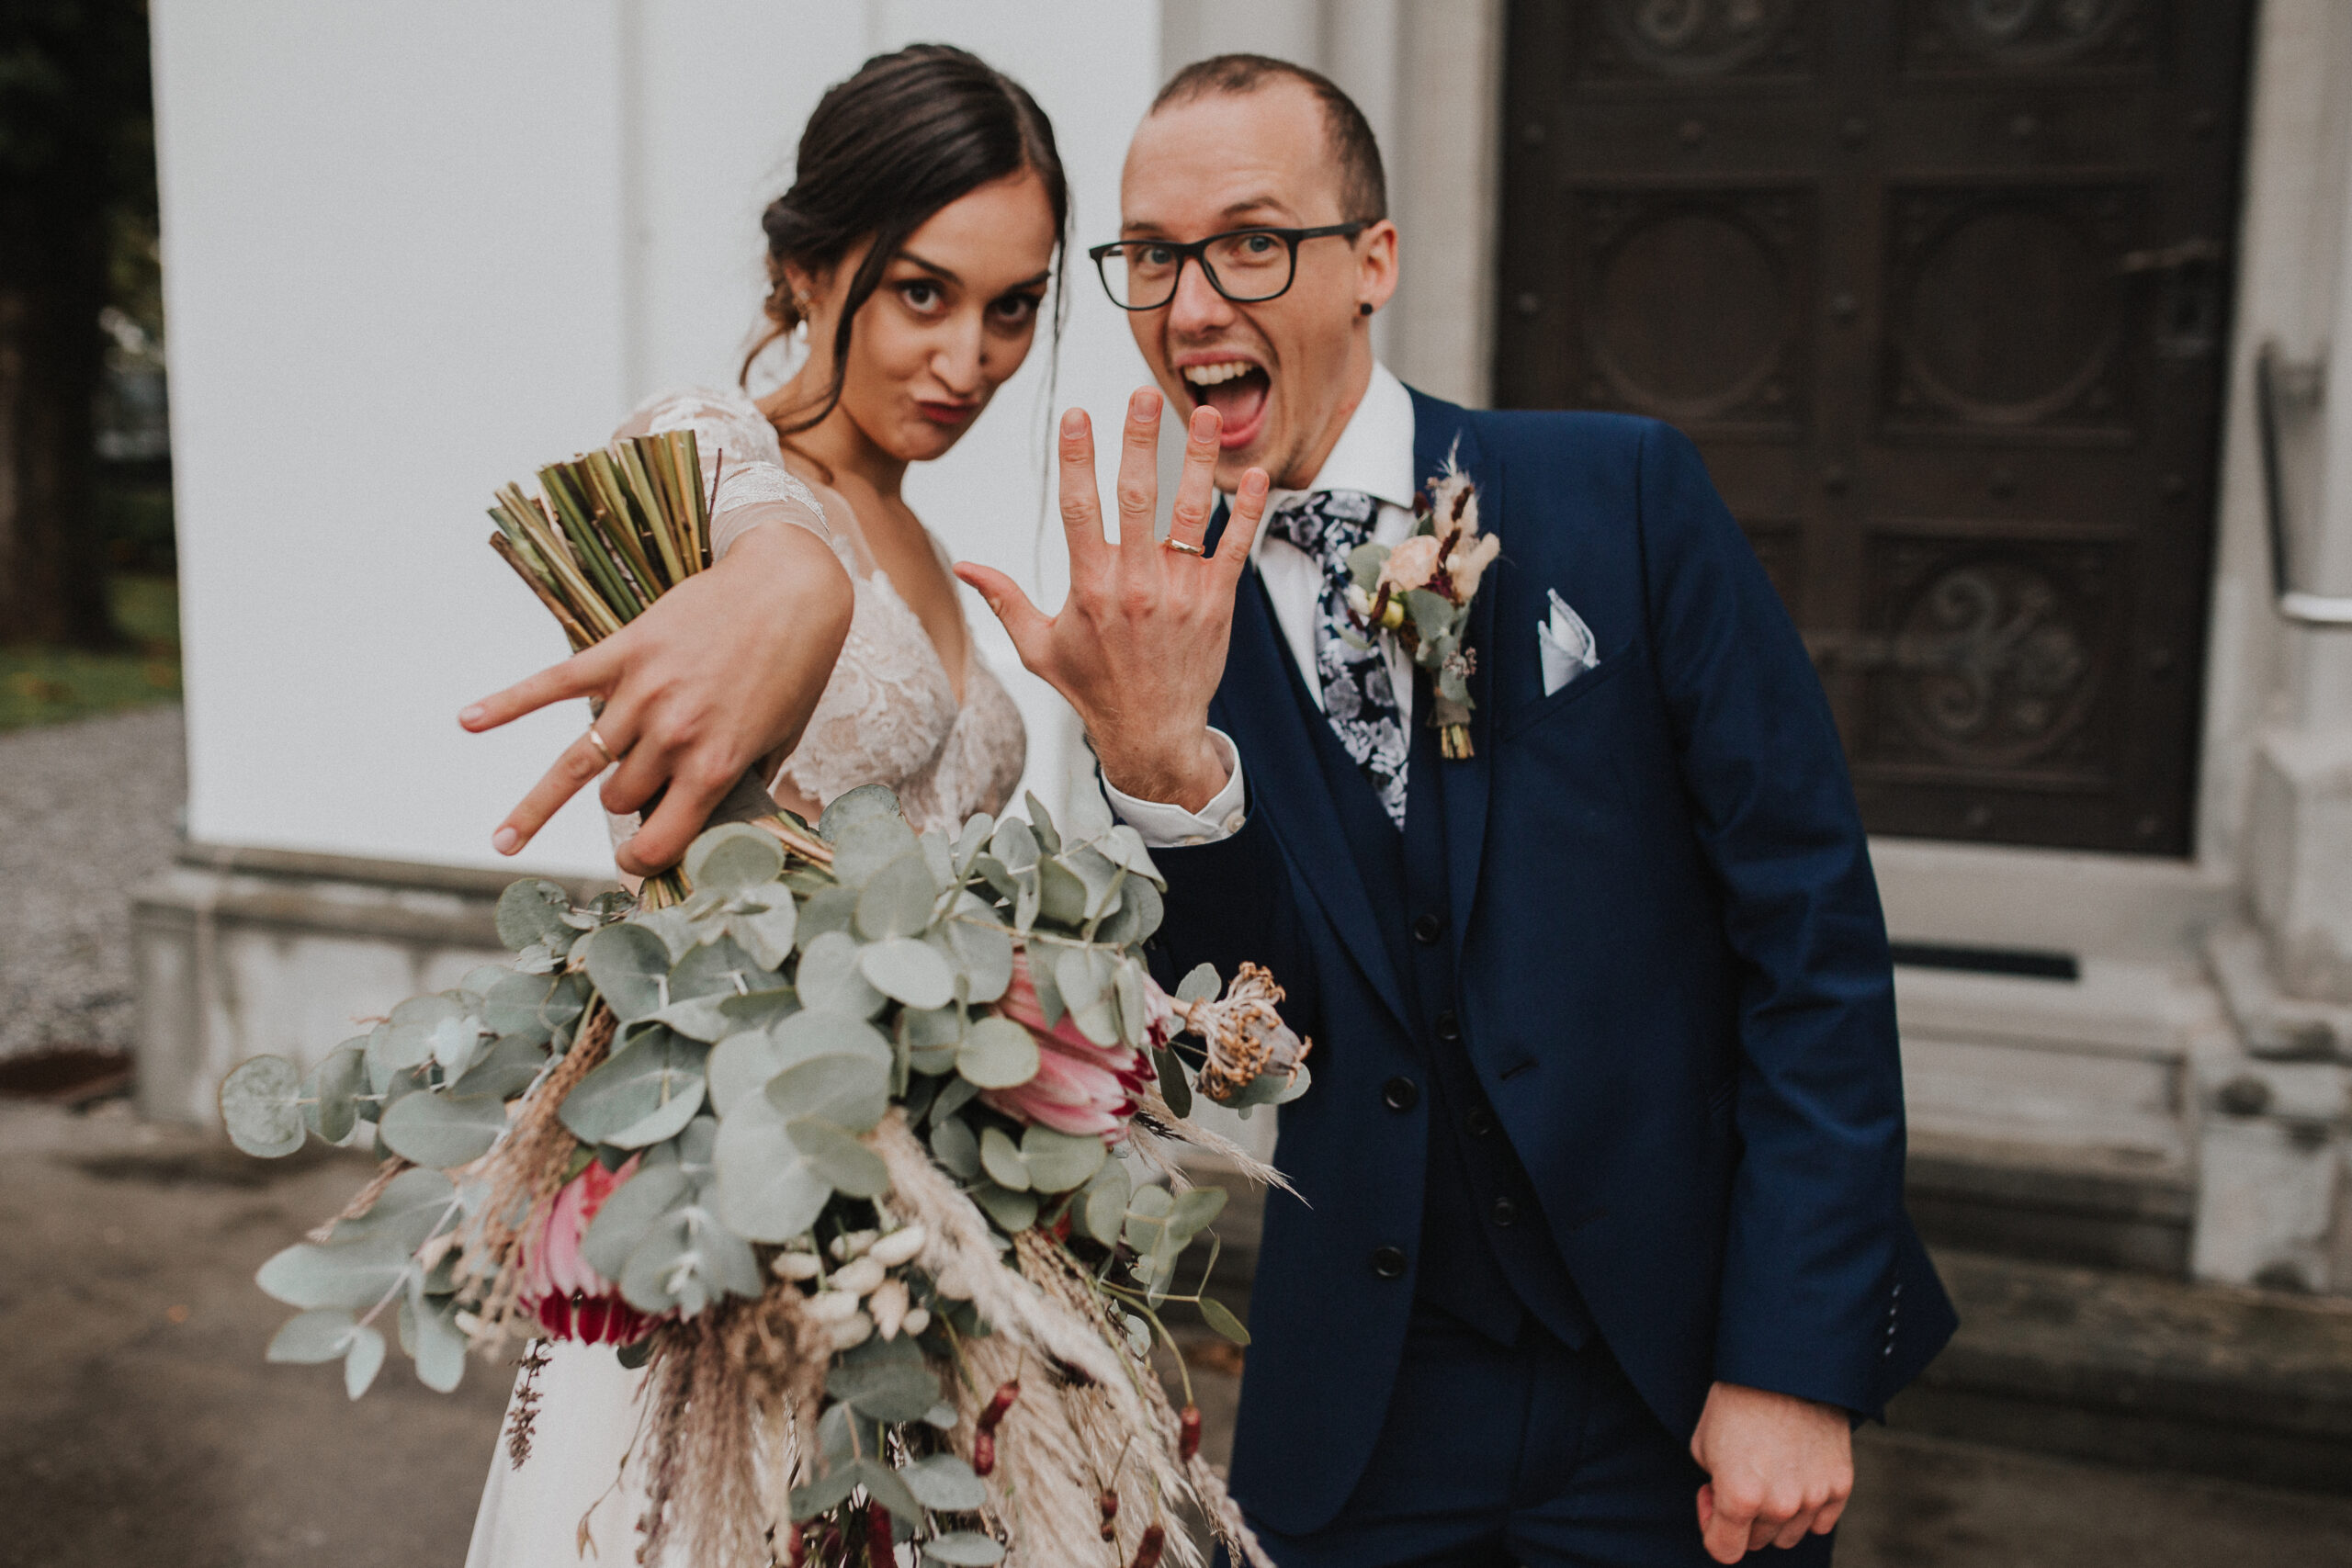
890 715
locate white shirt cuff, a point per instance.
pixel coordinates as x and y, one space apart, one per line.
1165 826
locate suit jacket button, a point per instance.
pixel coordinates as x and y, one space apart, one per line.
1388 1262
1400 1094
1427 930
1449 1027
1503 1212
1479 1123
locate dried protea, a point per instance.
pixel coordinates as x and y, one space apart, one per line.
1246 1036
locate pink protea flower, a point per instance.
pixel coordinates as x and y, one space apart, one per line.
570 1298
1080 1088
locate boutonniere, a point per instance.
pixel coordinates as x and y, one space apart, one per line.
1421 591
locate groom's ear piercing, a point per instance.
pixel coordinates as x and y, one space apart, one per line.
1365 308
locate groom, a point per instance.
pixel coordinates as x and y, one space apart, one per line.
1600 1246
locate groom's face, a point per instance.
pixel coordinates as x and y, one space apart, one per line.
1285 373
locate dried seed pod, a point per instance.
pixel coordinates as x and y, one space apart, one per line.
1148 1549
983 1452
999 1403
1109 1504
880 1543
1188 1433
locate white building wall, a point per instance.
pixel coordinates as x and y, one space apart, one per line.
413 251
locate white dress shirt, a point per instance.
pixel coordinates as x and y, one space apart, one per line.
1375 454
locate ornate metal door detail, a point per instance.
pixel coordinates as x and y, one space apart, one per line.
1937 286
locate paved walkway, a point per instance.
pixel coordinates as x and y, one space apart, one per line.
88 810
142 1426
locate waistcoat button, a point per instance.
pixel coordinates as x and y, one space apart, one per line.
1449 1027
1400 1094
1427 930
1478 1123
1388 1262
1504 1212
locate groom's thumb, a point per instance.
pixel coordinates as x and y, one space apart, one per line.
1022 621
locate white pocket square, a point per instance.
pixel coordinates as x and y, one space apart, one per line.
1565 644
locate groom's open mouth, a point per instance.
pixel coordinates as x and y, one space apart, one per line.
1240 392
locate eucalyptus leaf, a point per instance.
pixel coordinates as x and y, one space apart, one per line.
323 1334
739 1065
439 1347
733 858
767 933
864 848
829 978
505 1070
1365 563
939 855
1041 822
331 1093
261 1105
767 1190
645 1093
1139 912
882 1484
443 1130
998 1054
944 1482
1013 844
963 1548
1124 847
532 1006
412 1207
1058 1162
971 842
826 1492
821 1031
1001 1158
827 908
630 967
893 1391
689 1260
908 970
1061 896
1012 1212
629 1215
532 910
1200 983
866 803
1220 1319
896 901
362 1361
846 1165
851 1091
355 1274
1175 1085
985 951
1104 1202
718 969
953 1146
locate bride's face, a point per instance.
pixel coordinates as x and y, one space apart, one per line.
951 321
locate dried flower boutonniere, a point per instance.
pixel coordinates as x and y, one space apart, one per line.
1421 589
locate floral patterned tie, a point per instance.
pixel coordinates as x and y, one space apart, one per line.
1359 697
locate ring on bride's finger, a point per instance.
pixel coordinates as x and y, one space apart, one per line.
602 749
1173 543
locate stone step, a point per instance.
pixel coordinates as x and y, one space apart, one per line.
2133 1370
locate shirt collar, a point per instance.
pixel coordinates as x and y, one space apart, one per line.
1374 453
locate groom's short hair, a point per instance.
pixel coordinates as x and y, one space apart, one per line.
1364 184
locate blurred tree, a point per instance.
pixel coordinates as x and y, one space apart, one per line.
78 171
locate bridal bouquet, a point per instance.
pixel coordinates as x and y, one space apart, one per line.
1421 591
860 1142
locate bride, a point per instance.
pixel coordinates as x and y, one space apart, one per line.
916 250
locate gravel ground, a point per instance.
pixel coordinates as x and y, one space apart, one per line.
92 810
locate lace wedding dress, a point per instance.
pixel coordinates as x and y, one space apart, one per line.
890 715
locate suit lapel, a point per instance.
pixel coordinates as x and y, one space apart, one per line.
1257 707
1440 429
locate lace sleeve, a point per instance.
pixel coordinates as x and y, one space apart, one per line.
739 449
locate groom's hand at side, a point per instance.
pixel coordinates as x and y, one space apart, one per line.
1779 1469
1139 645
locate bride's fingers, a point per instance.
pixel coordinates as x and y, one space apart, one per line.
1031 631
663 839
1138 487
574 770
1196 489
1241 520
586 674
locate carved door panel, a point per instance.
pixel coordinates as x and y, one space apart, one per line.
1937 287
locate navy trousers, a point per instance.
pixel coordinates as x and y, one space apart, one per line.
1533 1456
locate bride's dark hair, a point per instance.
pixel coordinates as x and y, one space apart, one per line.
886 149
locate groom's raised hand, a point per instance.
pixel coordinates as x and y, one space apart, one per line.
1140 645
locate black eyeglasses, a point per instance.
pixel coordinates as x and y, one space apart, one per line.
1248 267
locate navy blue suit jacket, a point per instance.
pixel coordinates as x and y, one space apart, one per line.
1673 979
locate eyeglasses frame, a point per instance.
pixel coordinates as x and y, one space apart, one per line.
1195 251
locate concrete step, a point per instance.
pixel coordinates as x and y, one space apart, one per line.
2133 1370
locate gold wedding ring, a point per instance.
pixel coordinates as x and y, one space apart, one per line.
1173 543
602 749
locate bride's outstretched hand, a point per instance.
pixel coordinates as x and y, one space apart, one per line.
721 671
1140 645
